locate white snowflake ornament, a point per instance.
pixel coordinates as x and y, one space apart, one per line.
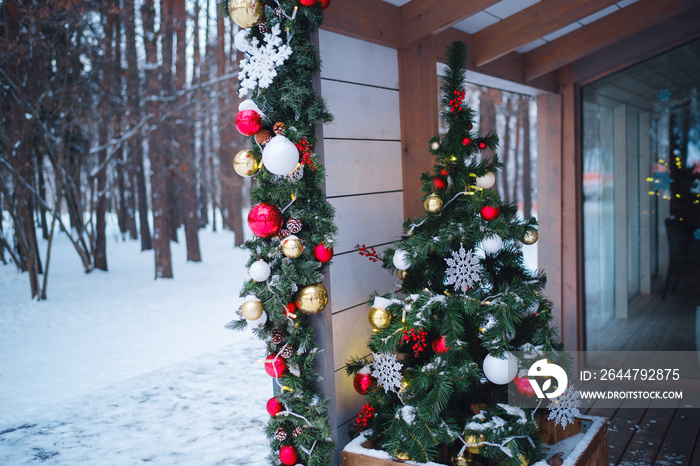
260 67
564 408
387 370
464 270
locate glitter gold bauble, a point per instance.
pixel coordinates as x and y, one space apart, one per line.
245 13
433 203
379 318
522 459
252 310
312 299
402 274
531 237
460 460
245 163
399 455
292 247
473 440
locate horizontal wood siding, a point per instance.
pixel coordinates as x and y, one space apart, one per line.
362 151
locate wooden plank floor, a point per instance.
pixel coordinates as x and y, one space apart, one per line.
655 436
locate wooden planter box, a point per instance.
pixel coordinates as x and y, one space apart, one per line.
583 444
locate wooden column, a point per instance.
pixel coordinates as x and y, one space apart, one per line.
549 200
418 103
571 233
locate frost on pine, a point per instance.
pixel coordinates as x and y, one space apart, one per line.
463 270
387 370
260 67
563 409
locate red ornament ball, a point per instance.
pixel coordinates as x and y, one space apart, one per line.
265 220
275 366
482 145
288 455
362 382
490 213
439 182
440 344
248 122
274 406
466 141
323 254
290 310
324 4
524 386
308 2
444 172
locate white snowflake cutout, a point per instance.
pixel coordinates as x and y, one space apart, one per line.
260 67
387 370
564 408
464 270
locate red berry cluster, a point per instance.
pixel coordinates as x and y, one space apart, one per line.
456 103
306 154
417 337
371 253
365 415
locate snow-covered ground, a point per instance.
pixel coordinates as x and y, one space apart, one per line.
117 368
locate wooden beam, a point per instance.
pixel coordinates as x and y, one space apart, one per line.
421 18
419 119
530 24
634 49
509 67
599 34
369 20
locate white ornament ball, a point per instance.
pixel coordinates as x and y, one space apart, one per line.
259 322
486 181
492 244
401 260
240 41
259 271
280 156
501 370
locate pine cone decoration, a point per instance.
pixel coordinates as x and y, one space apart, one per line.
281 434
262 27
298 431
279 128
287 352
279 12
263 137
294 225
277 336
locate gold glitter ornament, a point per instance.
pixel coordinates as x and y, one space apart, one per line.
312 299
531 237
292 247
433 203
245 163
379 318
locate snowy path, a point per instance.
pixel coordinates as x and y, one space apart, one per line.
118 369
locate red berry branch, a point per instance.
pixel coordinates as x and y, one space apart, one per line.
418 337
456 103
370 253
306 153
365 415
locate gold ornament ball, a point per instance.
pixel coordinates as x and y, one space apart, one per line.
252 310
379 318
245 13
402 274
460 461
292 247
399 455
312 299
473 440
433 203
531 237
522 459
435 145
245 163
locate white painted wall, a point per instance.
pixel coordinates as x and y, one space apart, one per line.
362 152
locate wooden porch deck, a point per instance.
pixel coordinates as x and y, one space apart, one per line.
656 436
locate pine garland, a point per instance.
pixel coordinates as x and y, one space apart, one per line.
291 99
446 407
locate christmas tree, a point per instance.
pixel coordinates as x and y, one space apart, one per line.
292 222
437 382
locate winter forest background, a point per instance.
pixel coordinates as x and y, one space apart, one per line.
123 110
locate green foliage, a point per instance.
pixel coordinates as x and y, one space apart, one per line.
445 397
292 100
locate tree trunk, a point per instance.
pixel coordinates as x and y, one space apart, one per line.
503 178
161 241
490 98
42 192
527 163
105 125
